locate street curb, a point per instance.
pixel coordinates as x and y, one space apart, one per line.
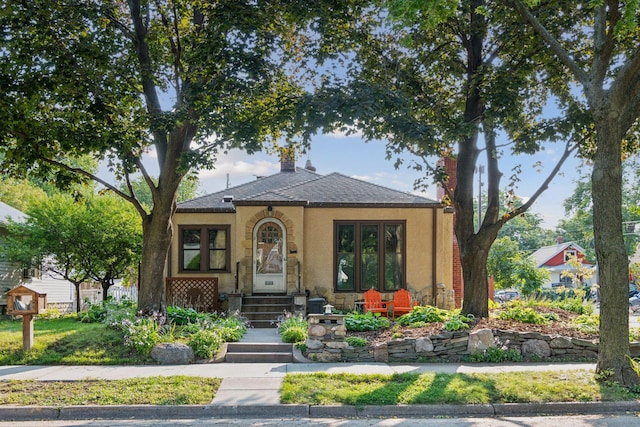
150 412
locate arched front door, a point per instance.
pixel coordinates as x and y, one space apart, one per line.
269 257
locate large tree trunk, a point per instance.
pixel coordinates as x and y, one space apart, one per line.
606 182
473 258
157 236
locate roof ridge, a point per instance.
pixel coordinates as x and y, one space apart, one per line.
378 185
249 183
315 176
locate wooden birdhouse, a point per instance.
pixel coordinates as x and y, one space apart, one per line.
25 301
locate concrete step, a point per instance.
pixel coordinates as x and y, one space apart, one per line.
263 324
255 308
239 352
259 358
257 347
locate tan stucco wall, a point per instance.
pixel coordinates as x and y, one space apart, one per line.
310 242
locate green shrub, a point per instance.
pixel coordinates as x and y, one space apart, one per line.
456 322
293 328
589 324
359 322
184 316
111 312
516 310
357 341
205 343
496 355
231 328
294 334
425 314
142 335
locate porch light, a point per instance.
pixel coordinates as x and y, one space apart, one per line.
328 308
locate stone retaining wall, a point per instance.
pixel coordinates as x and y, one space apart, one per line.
327 343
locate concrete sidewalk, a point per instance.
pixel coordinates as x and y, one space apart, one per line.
253 389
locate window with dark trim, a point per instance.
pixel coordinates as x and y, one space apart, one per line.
369 254
204 248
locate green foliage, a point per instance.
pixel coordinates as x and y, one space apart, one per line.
142 335
577 226
456 322
421 316
357 341
496 355
110 312
425 314
513 269
195 80
293 328
588 323
360 322
205 343
232 328
569 299
184 316
517 311
96 238
294 334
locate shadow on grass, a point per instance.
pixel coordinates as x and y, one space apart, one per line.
67 342
435 388
406 388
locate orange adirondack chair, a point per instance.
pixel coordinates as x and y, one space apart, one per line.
373 303
402 302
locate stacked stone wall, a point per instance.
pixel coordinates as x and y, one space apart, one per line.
327 343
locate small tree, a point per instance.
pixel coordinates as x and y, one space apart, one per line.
579 271
511 268
96 239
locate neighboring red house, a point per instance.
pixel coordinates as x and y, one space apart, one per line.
555 258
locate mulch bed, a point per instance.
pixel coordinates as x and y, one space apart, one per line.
562 327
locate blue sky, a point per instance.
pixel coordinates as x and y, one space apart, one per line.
353 157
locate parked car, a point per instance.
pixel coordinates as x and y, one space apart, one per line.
505 295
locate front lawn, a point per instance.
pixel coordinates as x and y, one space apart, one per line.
110 334
66 341
177 390
440 388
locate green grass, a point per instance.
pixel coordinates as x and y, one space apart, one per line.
438 388
65 341
177 390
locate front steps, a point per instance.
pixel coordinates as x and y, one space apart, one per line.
263 310
239 352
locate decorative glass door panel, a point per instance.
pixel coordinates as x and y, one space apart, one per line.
269 257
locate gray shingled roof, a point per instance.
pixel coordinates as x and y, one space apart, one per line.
304 187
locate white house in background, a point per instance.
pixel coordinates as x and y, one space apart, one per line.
555 258
60 293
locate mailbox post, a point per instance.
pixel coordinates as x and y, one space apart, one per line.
24 301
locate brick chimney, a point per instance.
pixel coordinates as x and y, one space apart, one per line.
287 159
451 166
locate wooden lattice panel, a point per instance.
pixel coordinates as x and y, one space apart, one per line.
199 293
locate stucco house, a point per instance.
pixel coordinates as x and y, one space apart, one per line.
299 235
554 259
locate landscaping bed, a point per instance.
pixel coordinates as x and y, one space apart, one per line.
563 327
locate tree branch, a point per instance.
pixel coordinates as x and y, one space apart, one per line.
99 180
562 54
568 149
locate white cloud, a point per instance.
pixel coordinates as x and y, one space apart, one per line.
350 133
